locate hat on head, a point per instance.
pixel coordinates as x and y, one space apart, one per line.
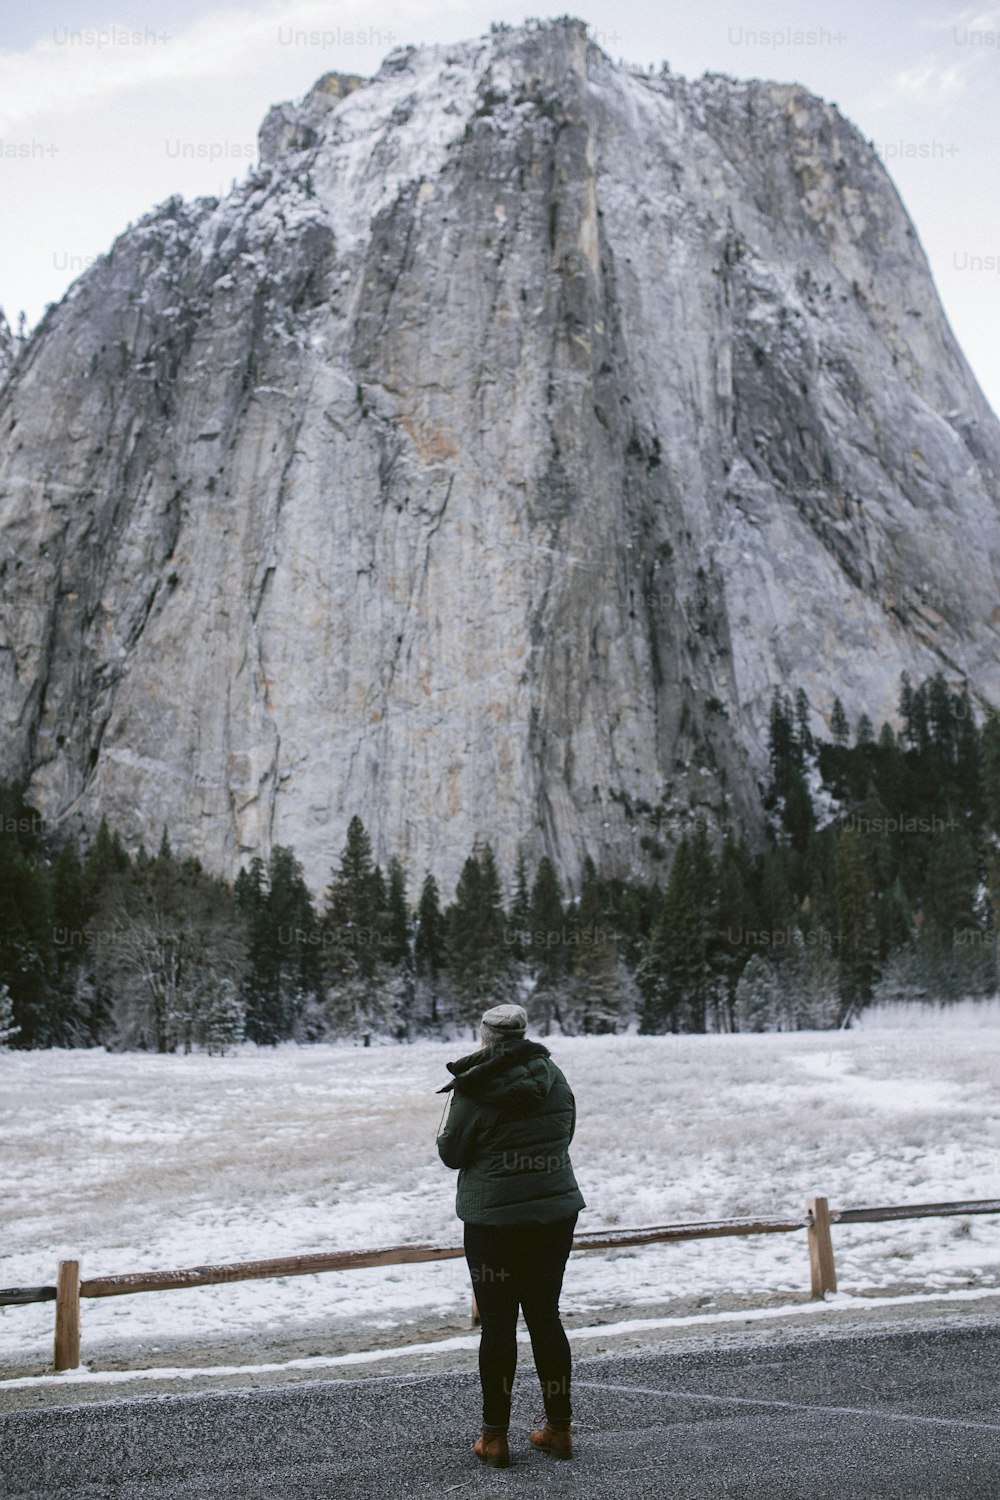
504 1023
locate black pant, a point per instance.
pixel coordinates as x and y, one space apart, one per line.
512 1265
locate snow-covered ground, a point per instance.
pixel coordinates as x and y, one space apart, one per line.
132 1162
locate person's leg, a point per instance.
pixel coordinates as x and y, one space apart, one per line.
487 1251
542 1254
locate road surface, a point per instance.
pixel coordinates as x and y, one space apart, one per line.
908 1414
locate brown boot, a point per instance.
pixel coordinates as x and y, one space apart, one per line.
492 1448
554 1438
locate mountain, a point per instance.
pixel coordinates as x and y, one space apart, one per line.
10 344
481 463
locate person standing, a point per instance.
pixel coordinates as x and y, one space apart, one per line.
510 1119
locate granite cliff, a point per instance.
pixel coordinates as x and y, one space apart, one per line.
481 463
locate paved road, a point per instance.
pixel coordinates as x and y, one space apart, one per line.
901 1415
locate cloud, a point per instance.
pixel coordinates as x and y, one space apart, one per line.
930 81
960 47
59 75
969 19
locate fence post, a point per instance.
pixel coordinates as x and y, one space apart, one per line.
67 1341
821 1266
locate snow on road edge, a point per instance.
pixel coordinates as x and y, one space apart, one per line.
836 1302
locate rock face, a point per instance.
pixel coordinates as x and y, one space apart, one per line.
295 127
481 463
9 346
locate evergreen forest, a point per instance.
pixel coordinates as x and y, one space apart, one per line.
876 878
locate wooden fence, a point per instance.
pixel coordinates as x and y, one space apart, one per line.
816 1221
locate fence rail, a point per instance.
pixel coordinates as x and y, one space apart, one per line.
816 1221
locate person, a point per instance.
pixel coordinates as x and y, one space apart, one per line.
509 1121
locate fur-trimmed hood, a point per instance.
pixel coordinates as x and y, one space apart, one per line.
516 1075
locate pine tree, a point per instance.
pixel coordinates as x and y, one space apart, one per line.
952 878
80 1020
954 943
784 751
680 977
478 967
789 741
817 912
221 1023
463 940
492 893
735 919
69 903
429 943
496 947
872 820
705 951
248 887
857 935
547 948
261 995
775 901
21 822
396 951
596 989
380 894
916 729
631 911
895 920
105 859
991 817
658 981
8 1030
758 997
548 924
397 947
893 782
248 893
798 818
27 948
520 911
807 744
940 719
903 979
991 770
362 998
291 932
968 759
353 902
839 727
809 983
906 706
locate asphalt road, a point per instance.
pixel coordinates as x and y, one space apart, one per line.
891 1415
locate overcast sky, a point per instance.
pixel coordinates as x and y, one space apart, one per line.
100 98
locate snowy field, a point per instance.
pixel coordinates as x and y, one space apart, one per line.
132 1162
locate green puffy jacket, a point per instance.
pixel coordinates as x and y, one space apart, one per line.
509 1124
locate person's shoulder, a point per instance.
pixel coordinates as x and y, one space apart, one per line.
558 1076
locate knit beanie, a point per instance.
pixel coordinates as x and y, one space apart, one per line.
504 1023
